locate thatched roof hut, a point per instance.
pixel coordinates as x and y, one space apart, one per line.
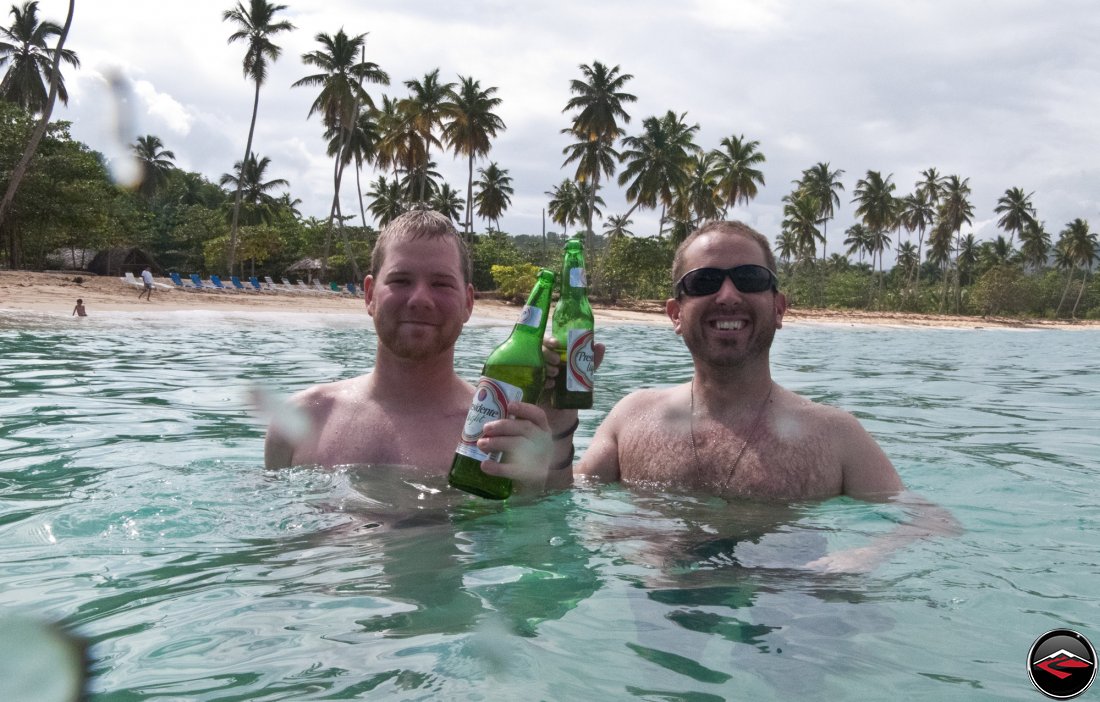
119 260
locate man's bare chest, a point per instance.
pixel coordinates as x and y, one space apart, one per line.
724 463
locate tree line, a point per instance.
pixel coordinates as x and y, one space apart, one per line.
917 257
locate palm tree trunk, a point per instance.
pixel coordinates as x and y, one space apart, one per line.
232 254
470 199
1084 282
1069 281
359 190
427 160
36 137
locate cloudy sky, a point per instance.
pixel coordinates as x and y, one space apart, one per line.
1005 93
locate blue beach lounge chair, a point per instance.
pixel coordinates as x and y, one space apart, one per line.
179 282
353 290
197 282
255 283
219 285
238 285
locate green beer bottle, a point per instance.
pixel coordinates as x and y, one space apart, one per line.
514 371
573 328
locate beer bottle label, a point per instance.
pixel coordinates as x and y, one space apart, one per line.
580 360
491 398
531 316
577 278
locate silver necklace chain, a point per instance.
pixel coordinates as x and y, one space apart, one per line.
744 442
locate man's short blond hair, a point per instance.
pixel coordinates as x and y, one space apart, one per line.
728 227
420 224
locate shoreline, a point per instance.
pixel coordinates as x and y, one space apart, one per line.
55 293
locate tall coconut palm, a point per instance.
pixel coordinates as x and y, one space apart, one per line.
735 163
256 25
447 202
593 158
564 206
494 193
598 98
825 186
255 191
955 211
401 146
469 131
801 215
1079 248
156 163
786 246
1034 245
15 254
657 161
616 226
343 70
360 144
428 104
701 197
387 200
916 213
420 182
931 185
858 240
1016 212
25 44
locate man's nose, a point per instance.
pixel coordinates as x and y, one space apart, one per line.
728 292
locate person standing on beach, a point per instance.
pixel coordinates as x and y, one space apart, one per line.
147 279
411 408
79 311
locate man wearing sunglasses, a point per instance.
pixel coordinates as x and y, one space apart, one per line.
731 429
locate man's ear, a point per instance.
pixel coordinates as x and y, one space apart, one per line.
469 302
672 309
780 309
368 294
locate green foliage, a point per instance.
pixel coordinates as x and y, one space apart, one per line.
848 289
1003 290
515 282
633 268
492 249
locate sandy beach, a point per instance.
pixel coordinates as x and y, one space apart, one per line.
56 293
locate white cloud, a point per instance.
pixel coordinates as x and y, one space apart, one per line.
163 108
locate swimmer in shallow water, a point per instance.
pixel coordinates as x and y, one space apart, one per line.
79 310
731 430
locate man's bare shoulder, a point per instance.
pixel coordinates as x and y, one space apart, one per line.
645 406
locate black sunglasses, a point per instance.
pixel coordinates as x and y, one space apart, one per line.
707 281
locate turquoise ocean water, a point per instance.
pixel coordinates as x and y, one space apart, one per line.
135 510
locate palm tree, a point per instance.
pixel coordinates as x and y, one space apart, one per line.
419 182
343 71
593 157
447 202
967 258
1016 212
255 25
931 186
738 177
955 211
361 144
1034 245
908 259
249 179
25 45
494 193
916 213
616 226
564 206
387 200
401 146
825 186
657 161
1078 247
156 163
429 102
801 216
858 240
15 254
786 246
599 99
877 207
700 198
472 124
